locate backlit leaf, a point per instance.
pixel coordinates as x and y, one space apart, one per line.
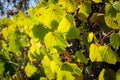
69 5
67 27
102 54
65 75
97 1
52 16
55 39
30 69
90 37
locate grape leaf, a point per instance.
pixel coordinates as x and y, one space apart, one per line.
97 1
85 9
52 16
2 69
39 31
94 53
90 37
46 65
81 58
115 40
30 69
107 74
107 54
118 75
73 68
65 75
69 5
55 39
36 51
110 17
116 5
67 27
54 67
102 54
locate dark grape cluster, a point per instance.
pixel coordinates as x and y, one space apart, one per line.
74 45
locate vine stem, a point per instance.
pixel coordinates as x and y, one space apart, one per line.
105 37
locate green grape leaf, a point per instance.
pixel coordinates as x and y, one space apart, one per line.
55 39
19 19
5 33
37 14
52 16
2 69
85 9
30 69
14 47
90 37
97 1
107 74
118 75
94 53
36 51
116 5
43 78
115 40
118 18
69 5
39 31
65 75
81 58
53 1
24 41
73 68
46 65
54 67
102 54
110 17
107 54
67 27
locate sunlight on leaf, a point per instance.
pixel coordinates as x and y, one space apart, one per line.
102 54
90 37
69 5
30 69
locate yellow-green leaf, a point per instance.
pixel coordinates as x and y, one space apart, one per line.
90 37
107 54
81 58
102 54
115 40
53 15
55 39
94 53
85 9
97 1
118 75
69 5
67 27
2 69
65 75
107 74
30 69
